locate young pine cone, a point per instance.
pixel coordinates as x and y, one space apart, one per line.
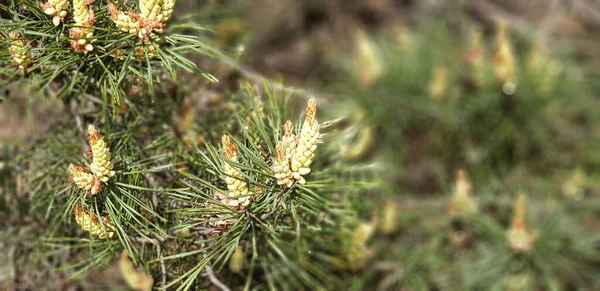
124 21
285 149
82 35
89 222
84 180
101 165
503 60
157 10
307 143
20 52
519 238
237 195
167 9
281 167
56 8
461 203
151 9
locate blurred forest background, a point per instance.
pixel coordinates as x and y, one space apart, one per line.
480 120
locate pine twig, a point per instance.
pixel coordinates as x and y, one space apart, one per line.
257 78
163 266
213 279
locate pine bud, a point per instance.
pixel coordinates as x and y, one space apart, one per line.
358 253
167 9
136 280
237 195
84 180
151 9
538 57
307 143
438 84
474 59
573 187
89 222
519 238
126 22
236 262
82 14
503 60
83 36
145 49
101 165
389 222
368 63
462 203
285 149
19 51
56 8
281 167
474 56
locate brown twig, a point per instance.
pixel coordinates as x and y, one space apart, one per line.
213 279
163 267
261 80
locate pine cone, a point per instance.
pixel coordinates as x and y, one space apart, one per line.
89 222
82 179
237 195
127 22
167 9
151 9
285 149
56 8
101 165
307 143
503 60
19 51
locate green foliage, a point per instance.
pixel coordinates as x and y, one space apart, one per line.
434 113
547 122
118 63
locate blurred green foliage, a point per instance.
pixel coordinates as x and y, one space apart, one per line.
517 118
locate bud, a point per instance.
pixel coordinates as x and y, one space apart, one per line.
150 9
368 63
83 35
438 84
236 262
519 238
167 9
462 203
538 57
136 280
542 66
56 8
84 180
358 253
281 167
238 192
389 220
573 187
307 143
281 163
19 51
127 22
474 59
89 222
101 165
475 54
503 60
